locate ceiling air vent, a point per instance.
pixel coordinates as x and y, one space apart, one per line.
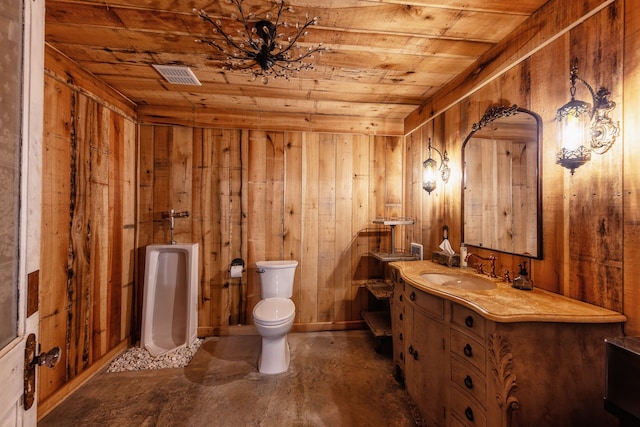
177 74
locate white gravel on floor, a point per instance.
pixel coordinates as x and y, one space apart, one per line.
136 359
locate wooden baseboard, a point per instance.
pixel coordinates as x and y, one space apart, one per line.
50 403
220 331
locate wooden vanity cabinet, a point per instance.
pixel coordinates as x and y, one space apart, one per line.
462 369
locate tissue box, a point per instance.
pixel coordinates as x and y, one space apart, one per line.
452 260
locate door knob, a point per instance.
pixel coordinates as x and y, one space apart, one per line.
48 359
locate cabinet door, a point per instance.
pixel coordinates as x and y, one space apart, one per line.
425 365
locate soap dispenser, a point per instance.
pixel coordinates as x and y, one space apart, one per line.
523 281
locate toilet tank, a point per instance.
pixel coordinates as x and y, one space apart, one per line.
276 278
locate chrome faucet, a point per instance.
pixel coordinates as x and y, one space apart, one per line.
480 267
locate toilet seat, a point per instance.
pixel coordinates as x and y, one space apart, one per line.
274 311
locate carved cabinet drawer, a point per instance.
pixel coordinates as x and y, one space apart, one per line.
468 320
468 349
468 379
466 410
431 305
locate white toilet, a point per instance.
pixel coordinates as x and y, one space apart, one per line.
273 315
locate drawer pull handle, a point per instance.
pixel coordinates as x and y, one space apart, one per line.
468 413
401 356
412 296
469 321
400 337
468 351
400 297
410 349
401 316
415 355
468 382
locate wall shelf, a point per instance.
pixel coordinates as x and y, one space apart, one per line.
379 318
379 322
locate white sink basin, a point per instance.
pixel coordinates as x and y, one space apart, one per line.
459 281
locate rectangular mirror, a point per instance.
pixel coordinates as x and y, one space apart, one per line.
501 191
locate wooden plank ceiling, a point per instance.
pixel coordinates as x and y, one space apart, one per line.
384 59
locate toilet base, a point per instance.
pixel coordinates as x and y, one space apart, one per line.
274 356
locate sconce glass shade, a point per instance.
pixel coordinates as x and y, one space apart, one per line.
430 169
573 119
429 173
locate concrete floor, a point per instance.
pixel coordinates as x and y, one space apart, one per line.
335 379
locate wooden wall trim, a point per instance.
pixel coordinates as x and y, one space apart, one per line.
61 68
550 22
282 121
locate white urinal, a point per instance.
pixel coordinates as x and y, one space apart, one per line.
170 301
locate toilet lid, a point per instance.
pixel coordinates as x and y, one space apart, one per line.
272 311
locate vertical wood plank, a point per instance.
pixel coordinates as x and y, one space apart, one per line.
381 241
326 227
100 223
128 254
258 212
203 218
361 220
181 181
310 235
292 208
146 172
55 230
343 227
631 158
116 226
596 204
552 272
275 195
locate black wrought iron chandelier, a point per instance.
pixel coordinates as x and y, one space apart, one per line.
263 48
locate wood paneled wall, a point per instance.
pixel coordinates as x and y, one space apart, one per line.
590 218
88 225
261 195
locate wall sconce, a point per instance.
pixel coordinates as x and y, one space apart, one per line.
430 169
583 129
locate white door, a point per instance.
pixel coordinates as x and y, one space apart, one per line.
21 109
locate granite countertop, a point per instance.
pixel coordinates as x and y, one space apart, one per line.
504 303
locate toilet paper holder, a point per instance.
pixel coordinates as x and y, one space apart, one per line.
237 262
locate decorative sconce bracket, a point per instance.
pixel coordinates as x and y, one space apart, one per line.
604 131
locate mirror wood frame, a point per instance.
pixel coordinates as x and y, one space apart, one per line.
494 115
